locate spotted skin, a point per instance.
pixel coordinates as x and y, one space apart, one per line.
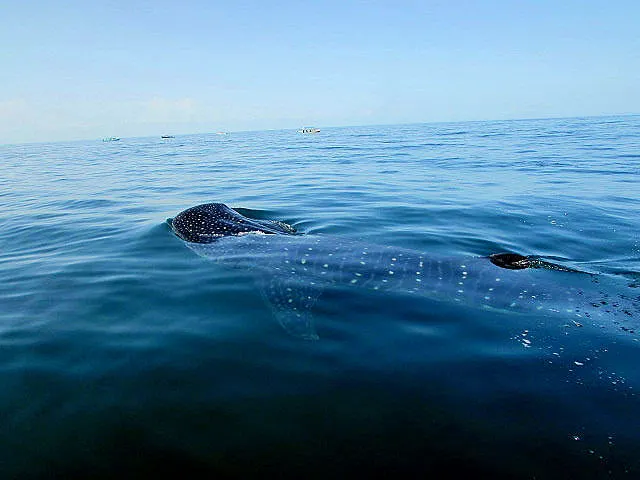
208 222
293 270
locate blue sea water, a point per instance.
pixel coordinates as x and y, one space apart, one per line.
122 352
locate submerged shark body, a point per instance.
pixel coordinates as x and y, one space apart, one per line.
292 271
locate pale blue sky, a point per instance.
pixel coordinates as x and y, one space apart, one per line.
89 69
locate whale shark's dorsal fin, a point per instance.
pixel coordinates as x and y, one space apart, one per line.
515 261
511 261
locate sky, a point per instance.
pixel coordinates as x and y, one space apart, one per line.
72 70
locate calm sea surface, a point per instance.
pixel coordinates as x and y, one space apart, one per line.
122 352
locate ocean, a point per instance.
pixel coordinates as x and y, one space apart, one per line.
125 353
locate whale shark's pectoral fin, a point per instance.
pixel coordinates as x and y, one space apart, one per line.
291 303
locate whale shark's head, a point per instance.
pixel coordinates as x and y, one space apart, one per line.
210 221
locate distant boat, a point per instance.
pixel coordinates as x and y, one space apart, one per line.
221 133
111 139
309 130
168 136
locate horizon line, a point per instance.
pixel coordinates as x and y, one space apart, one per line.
436 122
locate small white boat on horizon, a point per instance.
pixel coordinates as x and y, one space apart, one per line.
111 139
309 130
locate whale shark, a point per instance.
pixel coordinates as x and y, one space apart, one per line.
205 223
293 269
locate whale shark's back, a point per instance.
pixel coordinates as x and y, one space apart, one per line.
210 221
